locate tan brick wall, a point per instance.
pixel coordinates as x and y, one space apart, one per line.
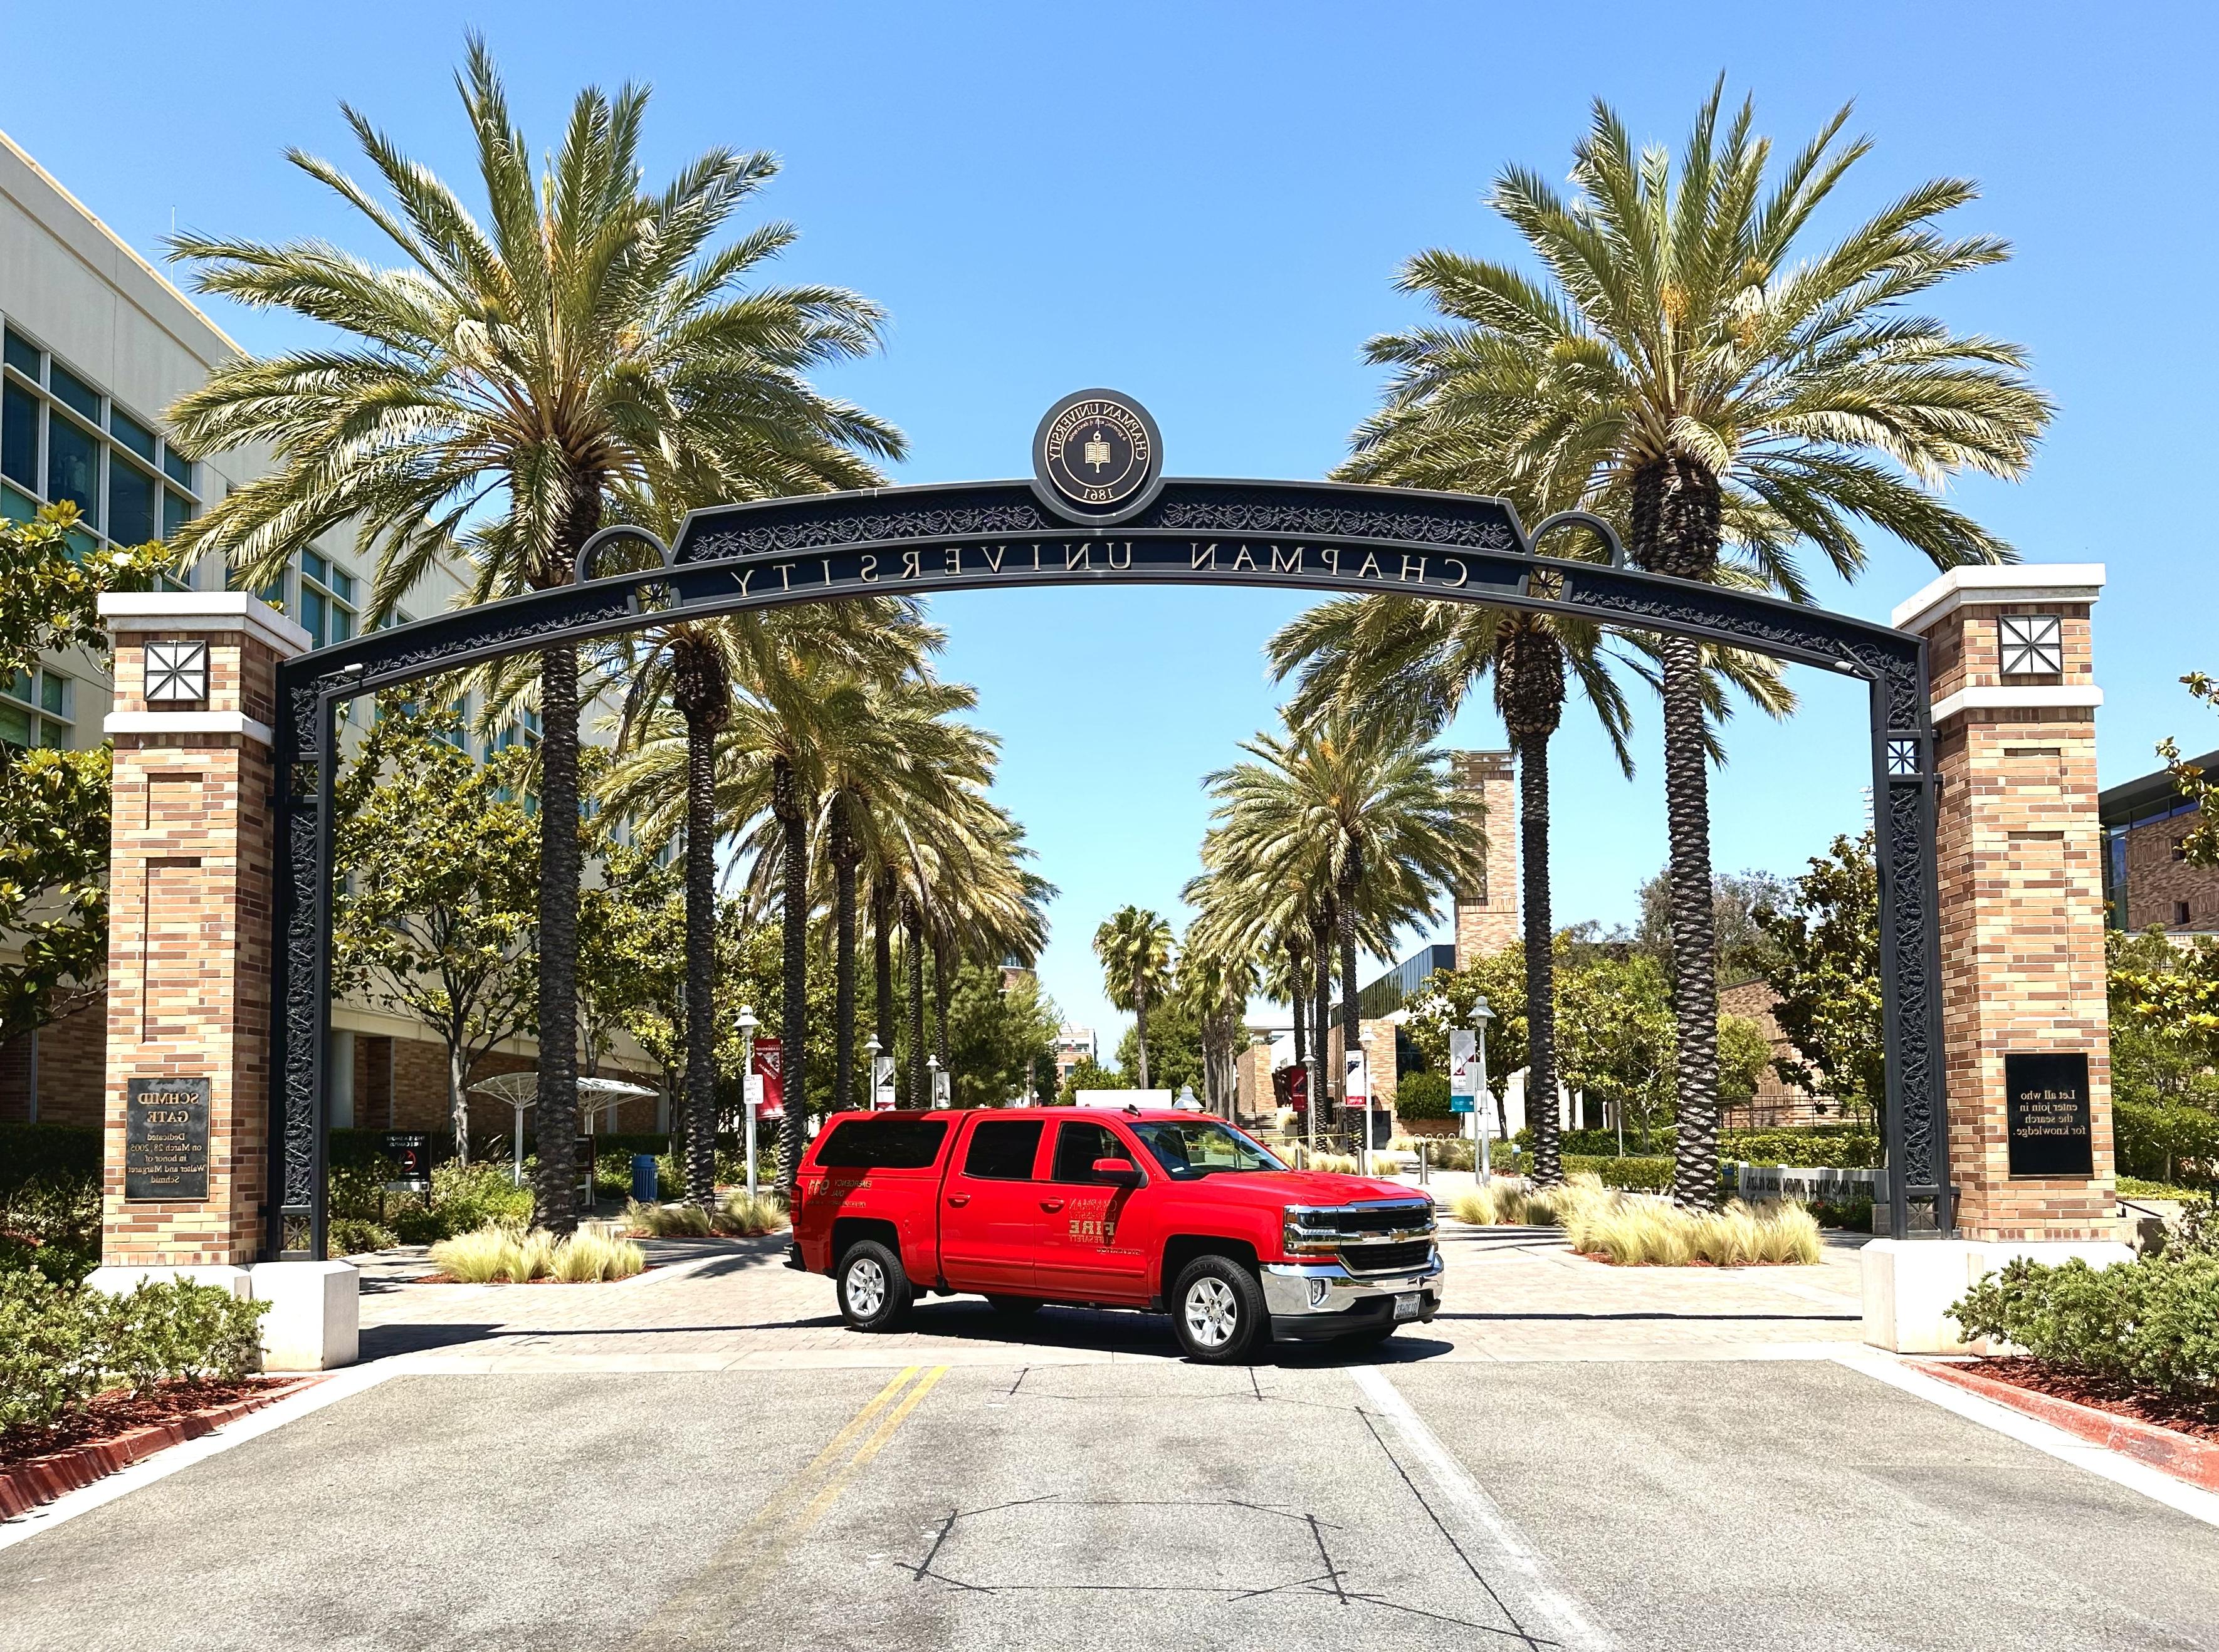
2157 884
2021 922
1486 912
1776 1102
189 970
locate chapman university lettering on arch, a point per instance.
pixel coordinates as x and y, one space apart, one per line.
1155 560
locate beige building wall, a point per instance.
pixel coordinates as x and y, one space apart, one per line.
1486 912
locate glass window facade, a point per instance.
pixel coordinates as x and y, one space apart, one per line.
73 468
19 436
130 504
132 434
73 392
22 355
36 709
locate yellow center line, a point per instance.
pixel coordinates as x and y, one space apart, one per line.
870 1448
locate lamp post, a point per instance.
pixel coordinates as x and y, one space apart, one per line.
1481 1015
871 1067
937 1082
747 1024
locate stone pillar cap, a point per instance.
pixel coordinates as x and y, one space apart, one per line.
1999 582
203 610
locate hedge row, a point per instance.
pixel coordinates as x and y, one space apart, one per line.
64 1345
1634 1174
46 1152
1844 1147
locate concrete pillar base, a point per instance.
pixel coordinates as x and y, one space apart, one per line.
1909 1284
314 1322
122 1282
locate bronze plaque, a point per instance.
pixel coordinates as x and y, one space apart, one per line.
2046 1114
166 1139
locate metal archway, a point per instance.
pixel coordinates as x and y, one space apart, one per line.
1319 537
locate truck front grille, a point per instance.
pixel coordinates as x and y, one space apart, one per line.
1387 1258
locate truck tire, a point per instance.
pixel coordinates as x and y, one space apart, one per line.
1015 1308
1217 1311
874 1291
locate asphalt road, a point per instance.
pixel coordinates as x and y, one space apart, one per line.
1790 1503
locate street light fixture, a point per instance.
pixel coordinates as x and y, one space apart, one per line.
937 1084
1481 1015
747 1024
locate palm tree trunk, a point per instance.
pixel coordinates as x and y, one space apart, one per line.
1540 960
882 957
1322 923
1675 520
700 955
1140 1027
843 961
556 1118
913 937
1302 1030
1351 1023
793 1012
943 990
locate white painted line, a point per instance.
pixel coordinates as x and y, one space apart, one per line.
342 1385
2114 1466
1570 1623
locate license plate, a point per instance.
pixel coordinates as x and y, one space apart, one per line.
1407 1305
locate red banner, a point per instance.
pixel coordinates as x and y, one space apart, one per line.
765 1066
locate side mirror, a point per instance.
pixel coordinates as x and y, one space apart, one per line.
1121 1172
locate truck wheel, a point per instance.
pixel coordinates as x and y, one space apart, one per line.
874 1291
1217 1311
1015 1308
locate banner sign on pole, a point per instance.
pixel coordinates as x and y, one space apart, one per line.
766 1069
882 1084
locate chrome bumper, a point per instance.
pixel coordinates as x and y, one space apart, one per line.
1293 1289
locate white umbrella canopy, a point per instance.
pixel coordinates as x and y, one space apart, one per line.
521 1090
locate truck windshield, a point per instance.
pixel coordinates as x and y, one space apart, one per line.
1191 1149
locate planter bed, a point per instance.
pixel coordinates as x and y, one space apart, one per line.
37 1465
2181 1439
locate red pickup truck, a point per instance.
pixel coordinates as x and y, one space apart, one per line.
1138 1209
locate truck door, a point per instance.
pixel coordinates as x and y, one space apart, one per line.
990 1209
1082 1254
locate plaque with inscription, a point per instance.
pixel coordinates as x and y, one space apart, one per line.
2046 1114
166 1139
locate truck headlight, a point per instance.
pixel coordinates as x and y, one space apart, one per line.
1301 1241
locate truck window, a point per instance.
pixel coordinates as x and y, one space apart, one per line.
882 1143
1077 1147
1003 1150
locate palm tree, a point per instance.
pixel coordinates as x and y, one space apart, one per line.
1135 945
529 366
1732 391
1416 664
1363 816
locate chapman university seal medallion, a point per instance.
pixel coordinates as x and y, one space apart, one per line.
1098 456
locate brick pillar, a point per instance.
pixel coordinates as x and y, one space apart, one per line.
1486 912
2021 891
191 884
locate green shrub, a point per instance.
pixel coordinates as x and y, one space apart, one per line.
48 1152
1635 1175
2152 1322
1844 1148
52 1227
1852 1215
412 1224
62 1345
1422 1096
469 1197
354 1235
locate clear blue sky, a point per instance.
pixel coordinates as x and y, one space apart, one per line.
1204 205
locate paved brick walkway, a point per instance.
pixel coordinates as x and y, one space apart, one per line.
1510 1294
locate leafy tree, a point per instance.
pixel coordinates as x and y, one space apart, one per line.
436 891
1616 1018
1825 967
587 338
1446 1002
54 804
1135 945
1744 1054
1091 1075
997 1039
2201 847
1174 1046
1740 948
1731 390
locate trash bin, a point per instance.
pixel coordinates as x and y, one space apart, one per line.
643 1177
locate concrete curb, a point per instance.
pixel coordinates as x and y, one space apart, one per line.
41 1480
2182 1456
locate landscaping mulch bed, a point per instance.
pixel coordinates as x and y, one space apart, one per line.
2155 1409
39 1464
2185 1444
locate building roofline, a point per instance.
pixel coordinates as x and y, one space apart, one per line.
2115 804
93 219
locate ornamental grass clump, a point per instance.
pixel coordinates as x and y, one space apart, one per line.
746 1217
1635 1230
679 1220
588 1258
501 1255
